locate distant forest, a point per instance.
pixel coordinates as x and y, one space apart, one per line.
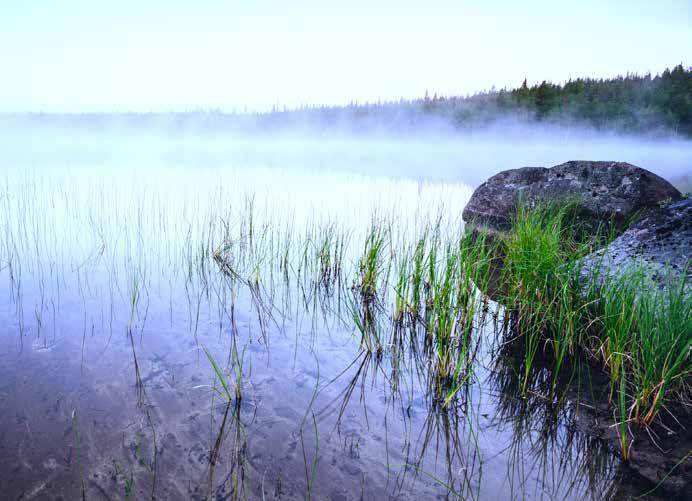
641 104
631 103
637 104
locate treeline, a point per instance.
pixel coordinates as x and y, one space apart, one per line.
637 104
640 104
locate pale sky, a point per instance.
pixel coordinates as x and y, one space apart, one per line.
150 55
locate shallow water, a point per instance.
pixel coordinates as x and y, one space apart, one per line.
111 295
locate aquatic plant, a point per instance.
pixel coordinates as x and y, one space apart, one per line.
371 263
646 332
237 366
641 334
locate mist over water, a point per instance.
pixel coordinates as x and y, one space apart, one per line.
436 152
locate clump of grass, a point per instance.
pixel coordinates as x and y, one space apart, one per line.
330 251
646 332
417 283
442 319
639 333
452 301
540 282
401 290
364 317
371 263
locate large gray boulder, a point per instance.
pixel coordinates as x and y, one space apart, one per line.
659 244
607 192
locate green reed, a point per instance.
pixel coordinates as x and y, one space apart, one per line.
622 427
371 264
417 282
639 333
539 281
401 290
646 332
363 314
237 364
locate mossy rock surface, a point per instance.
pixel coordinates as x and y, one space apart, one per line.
605 192
659 244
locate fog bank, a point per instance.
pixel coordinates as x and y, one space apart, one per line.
435 154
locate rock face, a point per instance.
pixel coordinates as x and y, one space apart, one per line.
660 243
606 192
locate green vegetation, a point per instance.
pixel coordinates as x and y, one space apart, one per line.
639 104
633 103
646 333
540 281
237 363
640 334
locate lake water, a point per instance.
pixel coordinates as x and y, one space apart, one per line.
111 299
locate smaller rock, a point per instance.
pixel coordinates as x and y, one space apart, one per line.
661 243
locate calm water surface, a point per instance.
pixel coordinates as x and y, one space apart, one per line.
110 296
